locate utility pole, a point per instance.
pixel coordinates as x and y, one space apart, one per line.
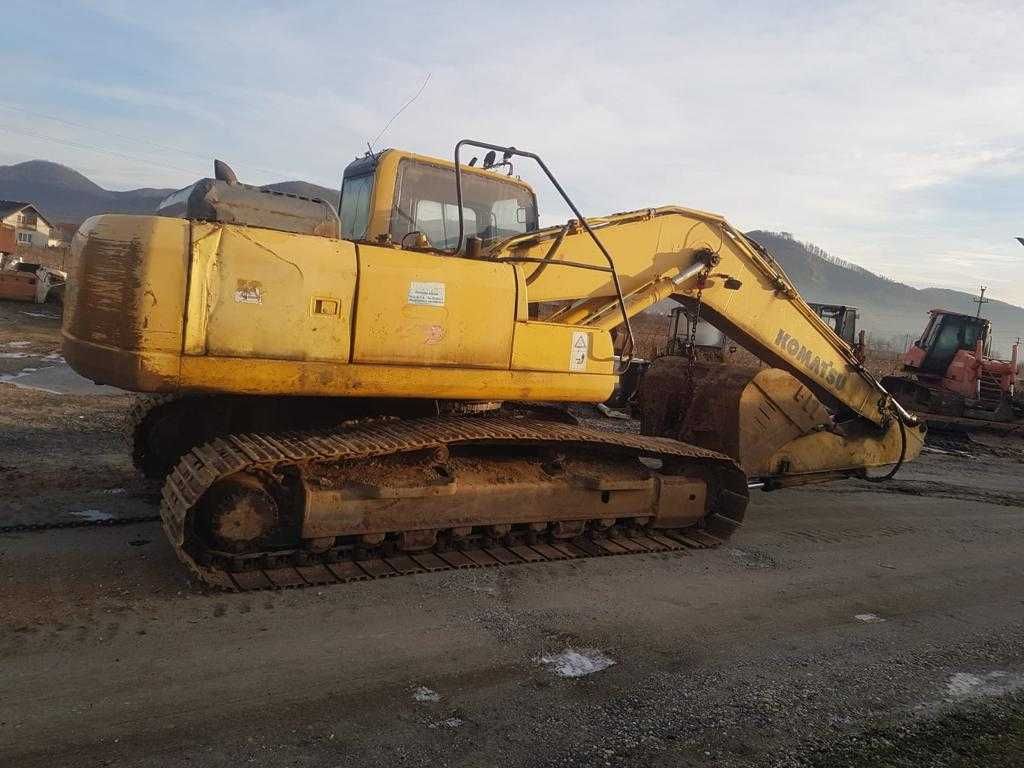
980 300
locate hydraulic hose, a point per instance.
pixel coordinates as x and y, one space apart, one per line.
899 463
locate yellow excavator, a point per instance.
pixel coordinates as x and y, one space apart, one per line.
382 388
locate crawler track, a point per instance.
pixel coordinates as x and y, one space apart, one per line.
351 560
380 566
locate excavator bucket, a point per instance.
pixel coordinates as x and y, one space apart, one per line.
767 420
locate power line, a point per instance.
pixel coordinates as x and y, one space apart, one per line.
283 175
94 148
72 123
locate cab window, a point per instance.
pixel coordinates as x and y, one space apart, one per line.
440 222
355 206
425 201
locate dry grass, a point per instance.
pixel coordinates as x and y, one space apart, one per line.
651 334
882 362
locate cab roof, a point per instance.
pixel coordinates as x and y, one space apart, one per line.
940 311
369 162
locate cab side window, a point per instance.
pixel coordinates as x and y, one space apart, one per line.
355 206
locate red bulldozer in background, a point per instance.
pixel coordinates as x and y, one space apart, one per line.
948 372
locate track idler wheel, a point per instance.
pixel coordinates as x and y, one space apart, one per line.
238 514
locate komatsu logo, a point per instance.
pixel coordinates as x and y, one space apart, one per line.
822 369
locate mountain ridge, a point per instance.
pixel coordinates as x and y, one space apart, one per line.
888 310
64 195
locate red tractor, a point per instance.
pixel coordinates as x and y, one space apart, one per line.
951 373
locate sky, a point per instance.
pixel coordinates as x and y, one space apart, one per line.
891 134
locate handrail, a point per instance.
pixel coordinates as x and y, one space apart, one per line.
508 152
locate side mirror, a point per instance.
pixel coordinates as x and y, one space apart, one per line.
489 159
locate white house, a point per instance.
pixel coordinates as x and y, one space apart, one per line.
31 227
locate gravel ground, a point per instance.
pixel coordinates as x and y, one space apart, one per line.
979 734
847 625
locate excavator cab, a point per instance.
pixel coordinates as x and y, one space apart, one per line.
946 334
411 201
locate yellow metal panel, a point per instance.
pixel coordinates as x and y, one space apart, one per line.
262 293
126 291
126 282
275 377
426 309
564 348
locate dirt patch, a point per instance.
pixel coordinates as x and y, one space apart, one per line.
60 454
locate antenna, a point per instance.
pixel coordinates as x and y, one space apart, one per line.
400 111
980 300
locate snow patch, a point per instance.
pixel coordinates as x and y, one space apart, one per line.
611 413
868 618
964 685
18 344
426 694
576 662
450 722
93 515
13 355
14 378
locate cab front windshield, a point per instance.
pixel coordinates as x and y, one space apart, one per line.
425 201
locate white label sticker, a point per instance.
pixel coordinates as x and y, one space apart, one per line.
580 347
427 294
249 292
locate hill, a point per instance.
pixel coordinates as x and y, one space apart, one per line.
65 195
889 310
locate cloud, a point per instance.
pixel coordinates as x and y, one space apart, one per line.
888 133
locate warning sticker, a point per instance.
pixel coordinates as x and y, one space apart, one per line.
434 334
580 348
426 294
249 292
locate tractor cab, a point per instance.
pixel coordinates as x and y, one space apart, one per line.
709 342
843 320
840 318
946 334
408 200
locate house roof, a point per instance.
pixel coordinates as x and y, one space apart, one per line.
7 207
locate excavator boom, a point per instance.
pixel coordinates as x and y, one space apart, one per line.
693 256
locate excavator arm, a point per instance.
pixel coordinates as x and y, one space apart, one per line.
696 257
774 422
